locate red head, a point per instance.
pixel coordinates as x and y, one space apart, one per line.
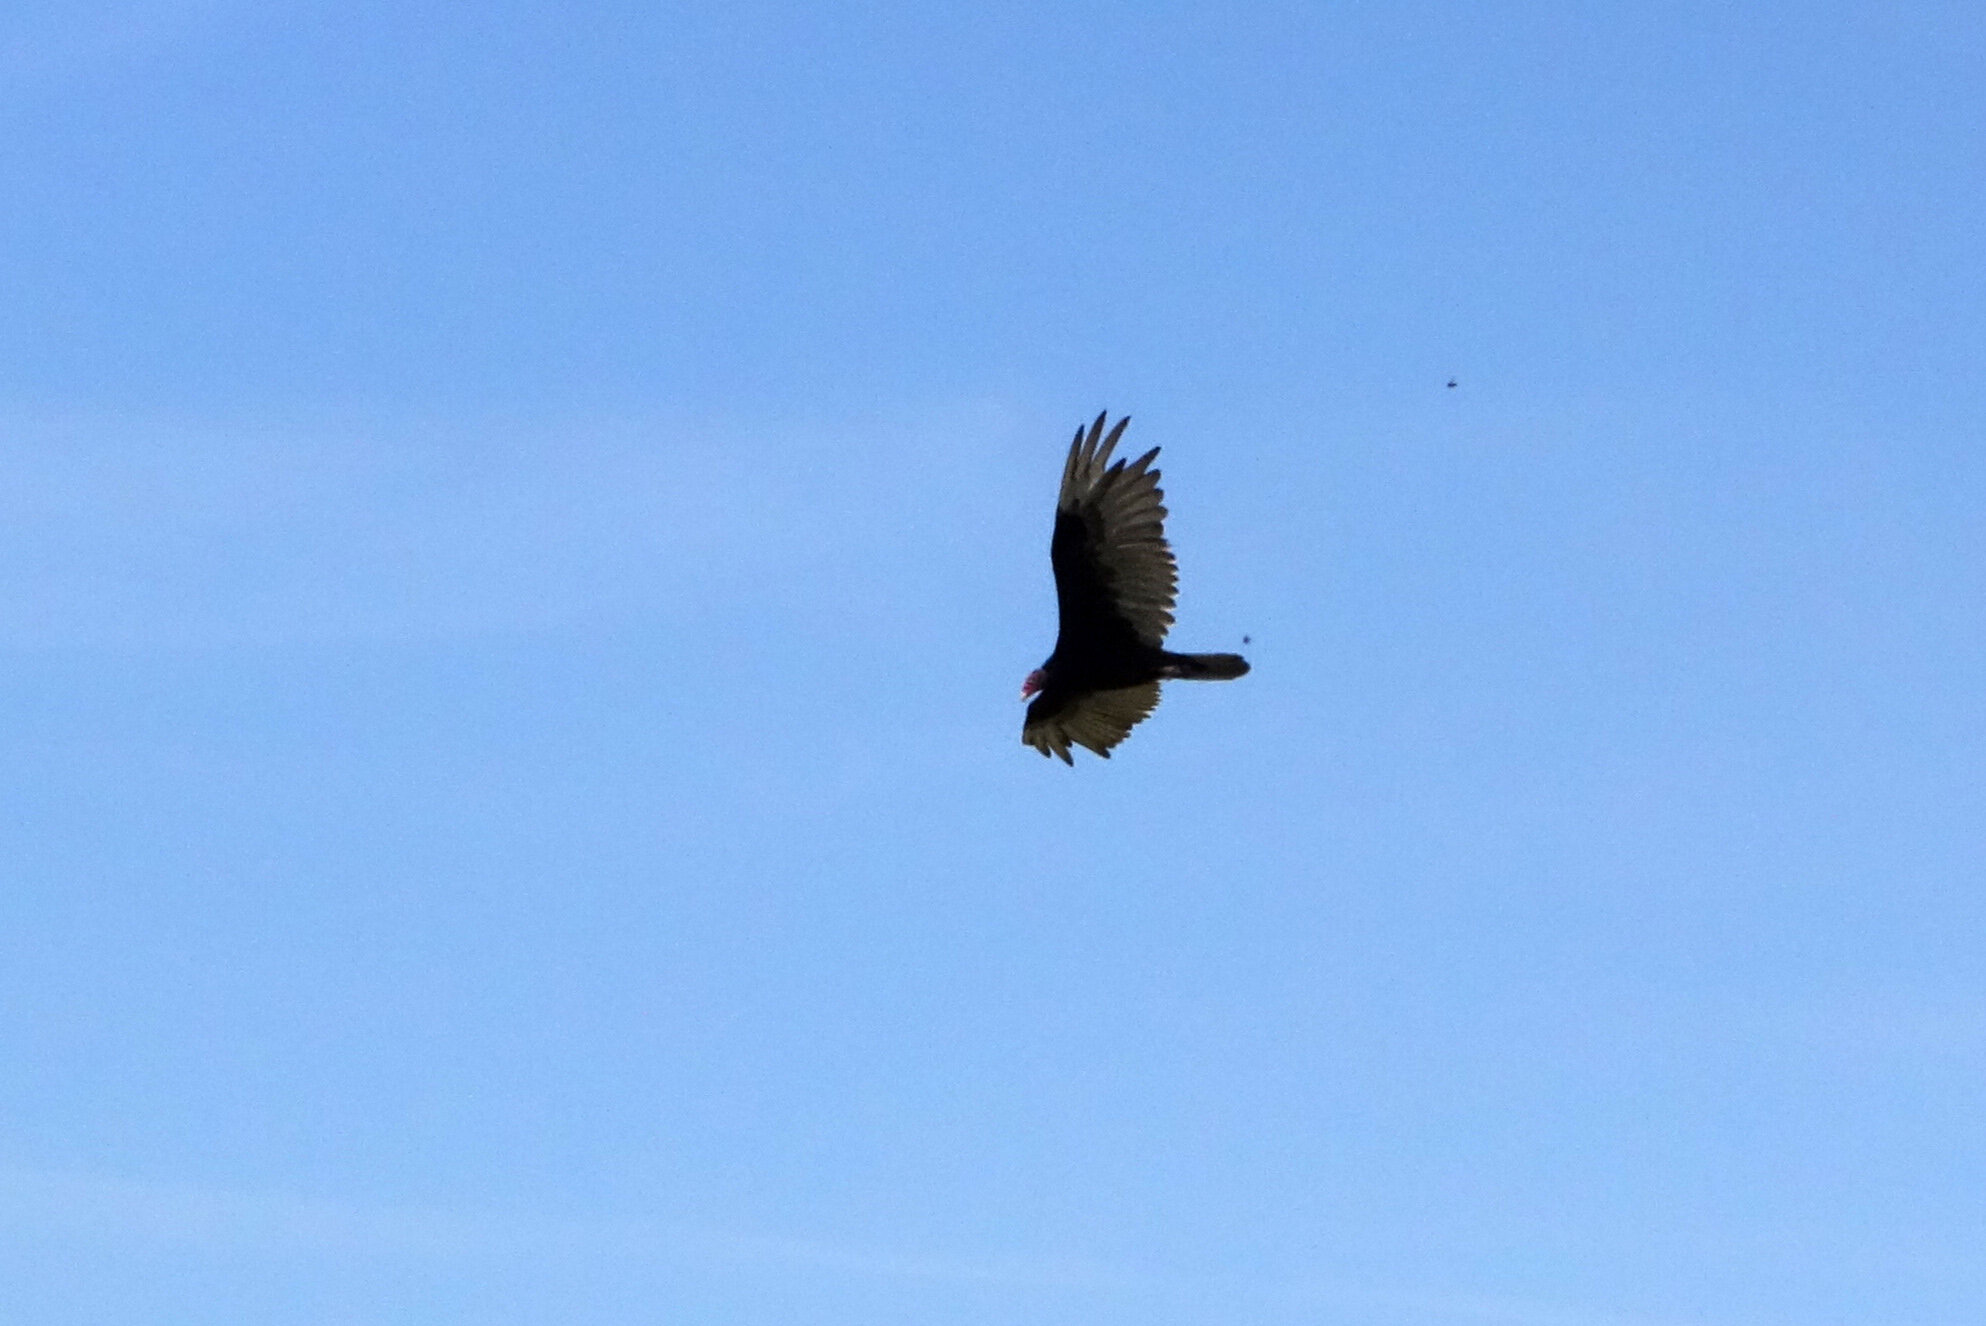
1032 684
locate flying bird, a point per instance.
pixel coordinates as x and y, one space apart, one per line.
1114 585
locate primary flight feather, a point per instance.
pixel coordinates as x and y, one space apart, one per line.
1114 585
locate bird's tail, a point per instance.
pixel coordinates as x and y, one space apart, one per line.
1205 667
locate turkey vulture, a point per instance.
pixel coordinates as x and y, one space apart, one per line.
1114 584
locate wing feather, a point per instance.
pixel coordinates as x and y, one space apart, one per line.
1122 513
1096 721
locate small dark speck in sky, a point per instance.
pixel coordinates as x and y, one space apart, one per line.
1451 382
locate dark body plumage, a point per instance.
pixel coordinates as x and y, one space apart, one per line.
1115 581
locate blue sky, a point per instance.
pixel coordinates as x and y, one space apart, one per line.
521 527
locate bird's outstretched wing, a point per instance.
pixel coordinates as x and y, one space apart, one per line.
1097 720
1110 554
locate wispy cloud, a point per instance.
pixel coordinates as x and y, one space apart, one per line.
222 1222
148 533
137 532
218 1221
